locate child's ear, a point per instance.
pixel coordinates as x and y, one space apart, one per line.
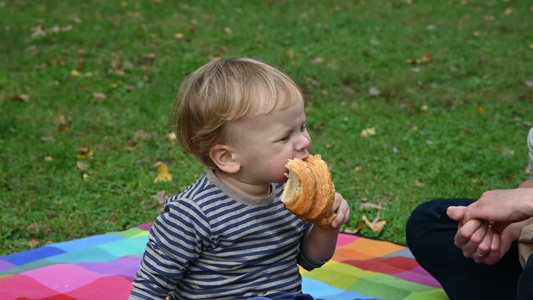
223 156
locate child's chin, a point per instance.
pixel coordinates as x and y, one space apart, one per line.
282 179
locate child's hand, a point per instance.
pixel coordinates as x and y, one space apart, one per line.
341 208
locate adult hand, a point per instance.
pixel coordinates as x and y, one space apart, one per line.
505 206
481 241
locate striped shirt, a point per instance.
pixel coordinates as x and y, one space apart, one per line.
212 242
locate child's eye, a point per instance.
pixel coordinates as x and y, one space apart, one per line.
303 128
285 138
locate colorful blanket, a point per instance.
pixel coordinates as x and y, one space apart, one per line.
103 266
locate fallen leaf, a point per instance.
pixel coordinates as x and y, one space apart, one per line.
192 25
289 54
368 131
373 91
162 173
507 152
161 198
141 134
85 153
62 123
316 61
355 230
172 138
22 98
419 184
427 58
115 85
75 73
178 35
227 30
34 243
376 225
48 159
37 32
82 166
480 110
364 206
150 56
99 97
48 139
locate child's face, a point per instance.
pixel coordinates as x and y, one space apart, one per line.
265 143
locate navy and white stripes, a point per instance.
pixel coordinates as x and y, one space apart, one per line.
214 243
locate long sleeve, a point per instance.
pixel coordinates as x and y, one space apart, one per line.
175 240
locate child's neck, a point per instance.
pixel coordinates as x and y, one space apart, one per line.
244 188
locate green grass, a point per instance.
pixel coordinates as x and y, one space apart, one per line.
432 138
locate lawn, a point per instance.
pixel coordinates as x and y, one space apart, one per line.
406 100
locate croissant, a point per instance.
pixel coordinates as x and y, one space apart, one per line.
309 191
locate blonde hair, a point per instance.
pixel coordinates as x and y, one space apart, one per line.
221 92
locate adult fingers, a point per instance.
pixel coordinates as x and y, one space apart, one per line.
466 231
456 213
484 248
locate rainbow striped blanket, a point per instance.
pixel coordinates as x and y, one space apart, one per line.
103 266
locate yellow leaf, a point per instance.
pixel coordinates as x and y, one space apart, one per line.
480 110
368 131
62 123
162 173
376 225
75 73
289 54
85 153
178 35
172 138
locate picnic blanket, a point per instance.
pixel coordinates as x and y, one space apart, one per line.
103 267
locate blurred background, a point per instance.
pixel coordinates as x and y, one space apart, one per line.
406 100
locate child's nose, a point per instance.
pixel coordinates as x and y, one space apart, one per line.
303 144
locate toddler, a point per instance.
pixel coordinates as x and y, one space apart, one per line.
228 235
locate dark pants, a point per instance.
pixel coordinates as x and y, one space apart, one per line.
430 236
